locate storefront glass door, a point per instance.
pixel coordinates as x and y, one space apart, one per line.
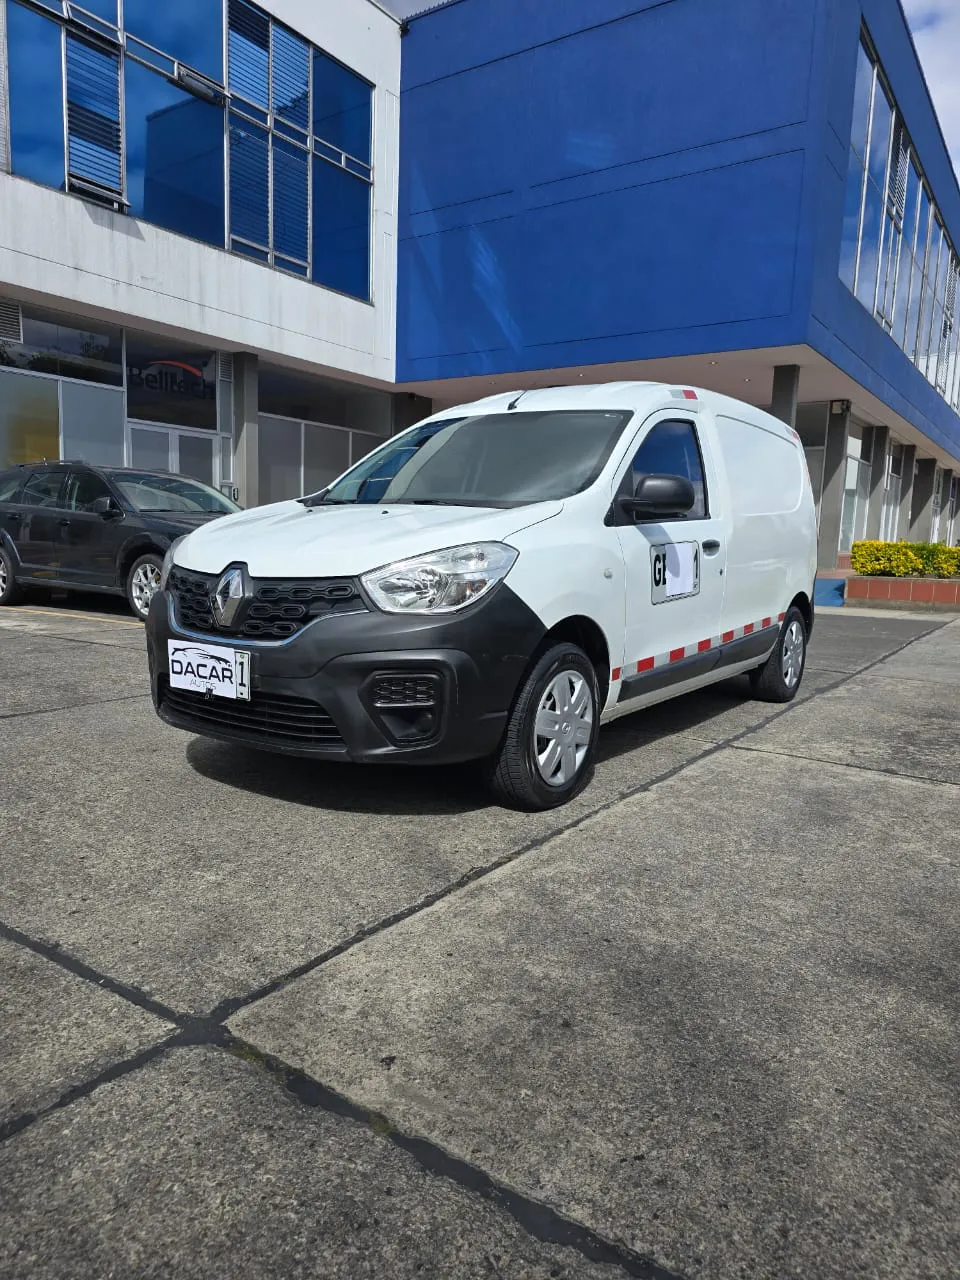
188 453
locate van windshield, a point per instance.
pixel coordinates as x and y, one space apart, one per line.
491 460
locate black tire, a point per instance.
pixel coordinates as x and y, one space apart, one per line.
779 680
145 566
10 592
515 775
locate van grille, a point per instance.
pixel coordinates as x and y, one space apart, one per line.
276 610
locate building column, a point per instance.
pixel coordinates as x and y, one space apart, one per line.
786 390
921 513
946 482
834 476
878 473
407 410
907 467
246 428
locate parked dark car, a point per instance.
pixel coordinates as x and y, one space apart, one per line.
71 525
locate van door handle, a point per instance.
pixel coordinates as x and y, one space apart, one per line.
711 547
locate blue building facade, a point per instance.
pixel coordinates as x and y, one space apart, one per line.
753 197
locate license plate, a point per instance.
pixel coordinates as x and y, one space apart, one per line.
210 669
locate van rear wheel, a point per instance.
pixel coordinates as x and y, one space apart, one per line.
547 753
779 678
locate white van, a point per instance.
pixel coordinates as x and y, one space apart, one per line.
496 583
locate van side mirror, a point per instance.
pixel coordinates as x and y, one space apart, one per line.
660 498
106 508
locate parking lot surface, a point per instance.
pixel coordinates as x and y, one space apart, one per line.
262 1017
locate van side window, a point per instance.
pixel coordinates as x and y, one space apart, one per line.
672 449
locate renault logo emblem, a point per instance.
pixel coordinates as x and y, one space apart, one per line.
227 597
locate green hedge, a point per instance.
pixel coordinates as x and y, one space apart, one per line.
905 560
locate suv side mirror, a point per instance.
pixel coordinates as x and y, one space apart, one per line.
660 498
106 507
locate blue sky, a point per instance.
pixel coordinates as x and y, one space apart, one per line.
936 30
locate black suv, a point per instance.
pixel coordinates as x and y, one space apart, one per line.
67 524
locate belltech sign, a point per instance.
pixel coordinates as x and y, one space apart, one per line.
171 377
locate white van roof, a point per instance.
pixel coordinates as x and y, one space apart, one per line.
638 397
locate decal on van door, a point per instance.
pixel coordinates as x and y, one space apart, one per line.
675 571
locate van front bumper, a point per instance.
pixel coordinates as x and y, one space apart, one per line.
364 687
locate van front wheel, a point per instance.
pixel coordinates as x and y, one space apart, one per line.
547 753
779 678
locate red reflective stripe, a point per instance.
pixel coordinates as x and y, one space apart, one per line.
646 664
677 655
781 618
767 622
748 629
689 395
727 636
704 646
616 674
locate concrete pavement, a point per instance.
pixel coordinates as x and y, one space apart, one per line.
268 1018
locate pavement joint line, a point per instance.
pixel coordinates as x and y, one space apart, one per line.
847 764
63 959
535 1217
116 1071
73 706
55 637
83 617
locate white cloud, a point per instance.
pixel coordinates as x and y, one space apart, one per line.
936 32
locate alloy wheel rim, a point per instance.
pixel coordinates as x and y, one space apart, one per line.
145 585
792 657
3 576
563 728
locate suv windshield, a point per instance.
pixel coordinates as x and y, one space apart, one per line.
147 492
492 460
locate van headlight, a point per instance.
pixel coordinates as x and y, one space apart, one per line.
168 561
441 581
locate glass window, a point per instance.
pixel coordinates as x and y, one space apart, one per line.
853 208
341 107
83 489
175 173
191 30
362 444
493 460
249 45
43 489
146 492
249 182
150 449
281 444
341 230
29 418
326 456
671 449
93 419
93 113
196 457
170 382
51 344
870 245
290 202
861 103
291 78
10 485
35 87
880 129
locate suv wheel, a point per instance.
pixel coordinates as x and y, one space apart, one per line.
143 583
9 591
779 678
548 750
